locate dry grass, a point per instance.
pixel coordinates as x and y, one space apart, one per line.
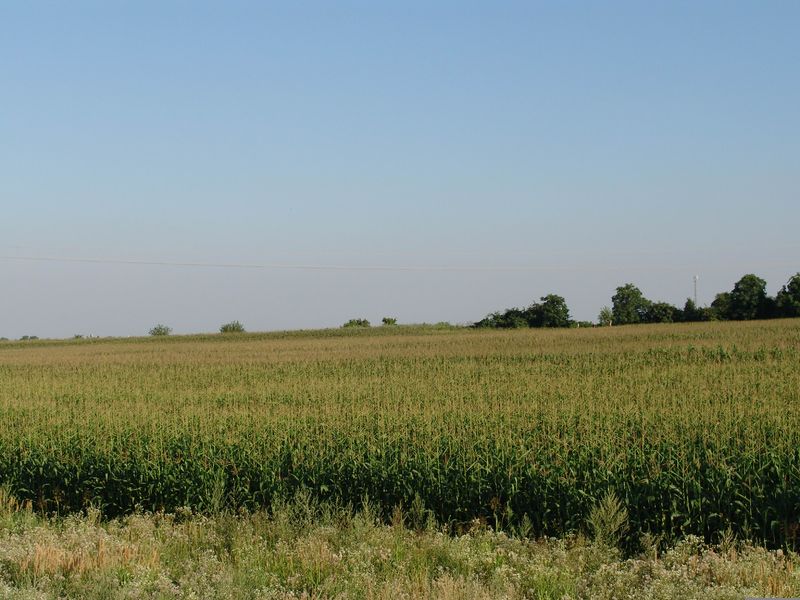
303 550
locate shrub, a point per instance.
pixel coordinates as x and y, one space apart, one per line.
159 330
232 327
389 321
357 323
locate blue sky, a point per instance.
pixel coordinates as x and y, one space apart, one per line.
590 143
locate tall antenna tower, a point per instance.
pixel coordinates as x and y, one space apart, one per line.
696 278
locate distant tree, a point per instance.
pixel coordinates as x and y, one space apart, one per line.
489 321
26 338
389 321
160 330
690 311
486 322
748 300
533 315
629 305
357 323
721 307
606 316
661 312
512 318
787 301
232 327
553 311
769 309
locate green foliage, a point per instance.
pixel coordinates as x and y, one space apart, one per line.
629 305
662 312
357 323
512 318
160 330
551 312
748 299
692 313
721 306
232 327
608 521
302 548
788 299
388 321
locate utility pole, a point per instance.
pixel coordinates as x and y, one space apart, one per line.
696 277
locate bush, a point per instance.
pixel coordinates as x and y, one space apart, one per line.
232 327
159 330
606 317
389 321
357 323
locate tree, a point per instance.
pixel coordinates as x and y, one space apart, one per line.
721 306
748 300
629 305
232 327
356 323
690 311
661 312
788 300
512 318
551 312
533 315
554 311
389 321
160 330
606 316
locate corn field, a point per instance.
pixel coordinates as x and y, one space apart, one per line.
695 427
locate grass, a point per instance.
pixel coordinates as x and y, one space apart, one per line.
304 549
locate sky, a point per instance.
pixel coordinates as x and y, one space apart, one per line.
477 155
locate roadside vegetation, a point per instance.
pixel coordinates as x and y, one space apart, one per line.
302 549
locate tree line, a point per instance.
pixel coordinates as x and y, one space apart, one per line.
747 300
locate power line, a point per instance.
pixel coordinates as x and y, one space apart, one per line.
285 266
334 267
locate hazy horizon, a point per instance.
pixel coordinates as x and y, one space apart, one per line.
447 160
